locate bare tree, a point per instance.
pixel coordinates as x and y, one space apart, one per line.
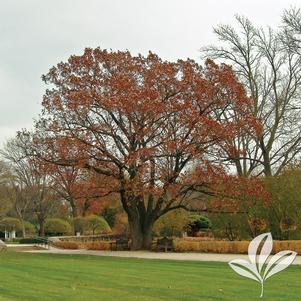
292 28
270 69
29 188
5 204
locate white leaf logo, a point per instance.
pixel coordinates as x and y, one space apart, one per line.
259 250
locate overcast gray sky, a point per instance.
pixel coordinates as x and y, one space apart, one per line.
36 35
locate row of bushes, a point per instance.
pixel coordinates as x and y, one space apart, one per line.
28 241
228 247
97 245
11 223
189 245
52 226
56 226
67 245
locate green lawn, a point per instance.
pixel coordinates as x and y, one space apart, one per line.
64 277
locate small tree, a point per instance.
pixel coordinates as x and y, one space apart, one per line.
283 214
57 226
109 214
172 224
29 228
80 224
198 223
231 226
257 225
5 201
97 224
287 226
28 183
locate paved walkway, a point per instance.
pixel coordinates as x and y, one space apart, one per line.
15 246
154 255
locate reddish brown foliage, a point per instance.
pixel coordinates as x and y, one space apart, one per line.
152 130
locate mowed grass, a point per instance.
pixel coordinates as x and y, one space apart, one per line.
43 277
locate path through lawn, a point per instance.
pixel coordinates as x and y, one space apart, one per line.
87 278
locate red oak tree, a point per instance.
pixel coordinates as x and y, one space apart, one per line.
75 186
155 130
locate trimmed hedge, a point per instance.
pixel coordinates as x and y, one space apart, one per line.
30 229
57 226
97 225
70 245
228 247
28 241
80 224
92 224
172 223
98 245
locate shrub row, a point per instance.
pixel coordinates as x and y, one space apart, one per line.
28 241
67 245
234 247
183 245
57 226
193 245
98 245
11 223
293 245
198 238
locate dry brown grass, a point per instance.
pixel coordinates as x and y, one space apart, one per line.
70 245
234 247
98 245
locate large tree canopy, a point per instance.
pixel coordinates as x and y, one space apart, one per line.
154 129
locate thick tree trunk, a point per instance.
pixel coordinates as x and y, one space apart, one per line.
141 234
141 218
